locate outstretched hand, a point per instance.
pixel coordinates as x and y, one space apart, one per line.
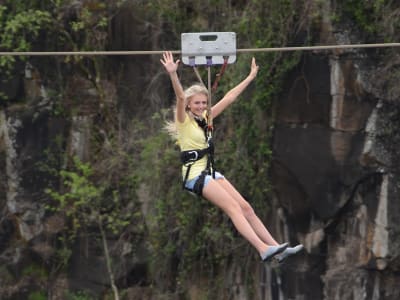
168 62
254 68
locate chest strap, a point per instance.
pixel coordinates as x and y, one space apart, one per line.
189 157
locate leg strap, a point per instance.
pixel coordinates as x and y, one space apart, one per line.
198 185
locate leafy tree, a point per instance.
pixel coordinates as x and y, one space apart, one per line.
83 204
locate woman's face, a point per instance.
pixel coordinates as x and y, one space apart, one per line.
198 104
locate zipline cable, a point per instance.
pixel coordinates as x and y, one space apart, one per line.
322 47
159 52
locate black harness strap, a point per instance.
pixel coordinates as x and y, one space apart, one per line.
210 145
189 157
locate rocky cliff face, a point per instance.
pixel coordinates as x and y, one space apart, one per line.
335 175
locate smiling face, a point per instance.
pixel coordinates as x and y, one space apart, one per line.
197 104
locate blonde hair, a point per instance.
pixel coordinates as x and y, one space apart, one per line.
194 89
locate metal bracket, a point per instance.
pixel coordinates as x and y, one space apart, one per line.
208 48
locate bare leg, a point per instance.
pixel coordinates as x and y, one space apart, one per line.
216 194
256 223
249 213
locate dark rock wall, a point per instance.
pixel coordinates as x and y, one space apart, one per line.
336 177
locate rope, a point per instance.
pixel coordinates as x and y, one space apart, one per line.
219 75
86 53
198 75
209 116
159 52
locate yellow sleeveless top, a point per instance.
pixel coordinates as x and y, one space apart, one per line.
191 137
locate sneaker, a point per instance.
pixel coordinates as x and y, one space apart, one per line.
272 251
289 251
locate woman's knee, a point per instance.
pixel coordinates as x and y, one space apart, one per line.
247 210
233 208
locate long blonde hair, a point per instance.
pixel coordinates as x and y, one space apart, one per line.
194 89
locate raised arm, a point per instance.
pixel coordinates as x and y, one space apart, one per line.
231 96
171 67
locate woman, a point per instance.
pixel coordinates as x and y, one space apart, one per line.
191 106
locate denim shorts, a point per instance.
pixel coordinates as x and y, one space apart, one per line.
190 183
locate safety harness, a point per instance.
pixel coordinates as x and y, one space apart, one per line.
189 157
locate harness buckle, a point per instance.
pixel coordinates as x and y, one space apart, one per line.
196 155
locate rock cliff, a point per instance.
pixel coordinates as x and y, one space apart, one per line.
335 173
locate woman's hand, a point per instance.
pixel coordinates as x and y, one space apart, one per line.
232 95
168 62
254 69
172 66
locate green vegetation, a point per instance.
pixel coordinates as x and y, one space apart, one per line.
37 296
80 295
136 165
378 19
49 25
86 205
191 239
35 271
365 14
19 27
188 238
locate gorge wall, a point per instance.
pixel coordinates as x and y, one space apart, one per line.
334 172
